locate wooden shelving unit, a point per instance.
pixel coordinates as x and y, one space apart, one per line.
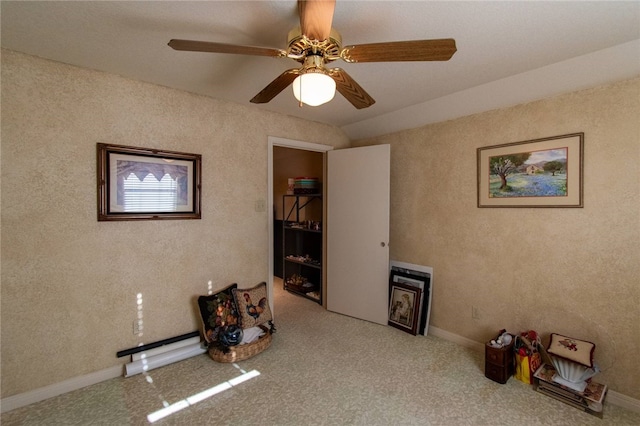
302 247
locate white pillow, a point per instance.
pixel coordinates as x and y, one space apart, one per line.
251 335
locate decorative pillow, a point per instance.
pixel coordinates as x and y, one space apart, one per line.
572 349
253 305
218 310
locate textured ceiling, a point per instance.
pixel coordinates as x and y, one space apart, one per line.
508 52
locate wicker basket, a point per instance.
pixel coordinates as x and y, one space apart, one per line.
242 352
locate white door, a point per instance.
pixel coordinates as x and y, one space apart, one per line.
357 224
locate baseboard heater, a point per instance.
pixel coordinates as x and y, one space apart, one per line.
161 353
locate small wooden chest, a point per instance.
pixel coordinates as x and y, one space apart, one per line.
498 363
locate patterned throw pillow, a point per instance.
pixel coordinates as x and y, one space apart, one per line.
572 349
217 310
253 305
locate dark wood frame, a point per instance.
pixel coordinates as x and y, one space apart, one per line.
574 143
105 213
412 328
415 278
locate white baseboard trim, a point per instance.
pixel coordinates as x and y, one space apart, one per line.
462 341
613 397
40 394
624 401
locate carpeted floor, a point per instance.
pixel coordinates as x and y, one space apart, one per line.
321 369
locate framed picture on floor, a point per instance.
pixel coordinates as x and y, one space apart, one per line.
417 276
404 307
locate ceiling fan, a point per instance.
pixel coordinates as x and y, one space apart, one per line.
315 44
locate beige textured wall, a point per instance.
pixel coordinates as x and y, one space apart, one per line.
573 271
69 282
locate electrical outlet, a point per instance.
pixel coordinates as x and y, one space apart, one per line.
475 312
260 205
137 327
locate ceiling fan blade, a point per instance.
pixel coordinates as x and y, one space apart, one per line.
276 86
208 46
351 90
415 50
316 17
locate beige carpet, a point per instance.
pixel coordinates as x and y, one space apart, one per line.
322 369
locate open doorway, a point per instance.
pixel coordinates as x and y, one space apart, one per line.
289 159
290 164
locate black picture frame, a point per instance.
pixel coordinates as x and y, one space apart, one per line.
404 307
147 184
405 274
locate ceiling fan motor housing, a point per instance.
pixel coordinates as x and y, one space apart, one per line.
300 46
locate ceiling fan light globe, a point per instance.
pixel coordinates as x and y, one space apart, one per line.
314 89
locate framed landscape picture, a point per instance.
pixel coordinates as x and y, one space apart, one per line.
404 307
537 173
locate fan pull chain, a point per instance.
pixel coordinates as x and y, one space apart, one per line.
300 101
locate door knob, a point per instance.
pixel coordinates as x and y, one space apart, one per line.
382 244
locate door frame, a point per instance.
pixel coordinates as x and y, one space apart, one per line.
274 141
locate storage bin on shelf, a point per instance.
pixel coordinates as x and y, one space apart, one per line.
306 185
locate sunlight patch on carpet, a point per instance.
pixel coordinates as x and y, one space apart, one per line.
194 399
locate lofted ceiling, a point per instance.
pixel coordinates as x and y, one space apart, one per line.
508 52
